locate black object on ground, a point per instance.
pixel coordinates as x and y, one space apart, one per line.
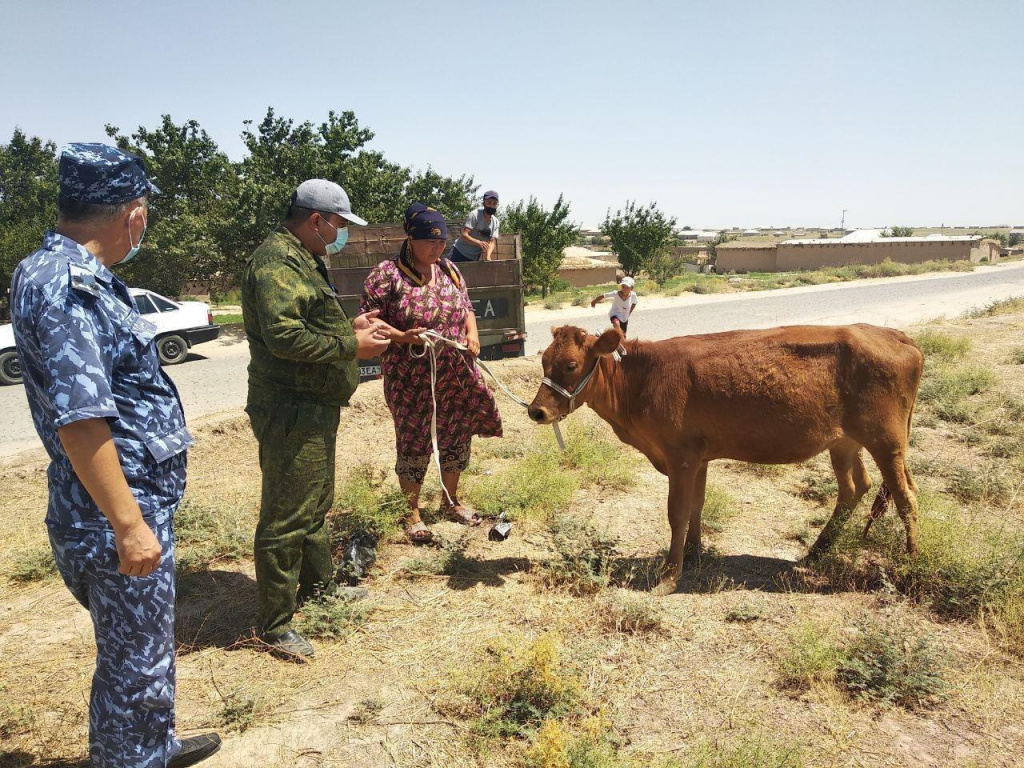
359 556
500 530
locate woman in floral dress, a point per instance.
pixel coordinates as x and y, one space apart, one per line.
418 291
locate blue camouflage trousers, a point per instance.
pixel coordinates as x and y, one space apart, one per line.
131 710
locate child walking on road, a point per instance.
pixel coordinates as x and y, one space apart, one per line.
624 301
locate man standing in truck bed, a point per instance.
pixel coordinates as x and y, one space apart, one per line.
479 238
303 369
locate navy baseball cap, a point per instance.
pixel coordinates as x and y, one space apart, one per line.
489 194
101 174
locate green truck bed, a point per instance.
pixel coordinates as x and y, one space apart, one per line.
495 287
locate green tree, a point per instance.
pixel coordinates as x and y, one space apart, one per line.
545 235
283 154
190 234
720 238
898 232
28 203
637 233
1014 239
454 198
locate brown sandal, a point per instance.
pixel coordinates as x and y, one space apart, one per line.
461 514
418 533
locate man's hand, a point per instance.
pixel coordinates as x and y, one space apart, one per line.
138 551
593 303
370 342
365 320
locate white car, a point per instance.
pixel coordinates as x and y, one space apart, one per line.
179 326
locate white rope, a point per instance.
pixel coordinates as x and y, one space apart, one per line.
430 340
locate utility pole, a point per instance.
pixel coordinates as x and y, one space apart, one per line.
842 222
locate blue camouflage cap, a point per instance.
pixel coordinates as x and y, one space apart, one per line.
423 223
101 174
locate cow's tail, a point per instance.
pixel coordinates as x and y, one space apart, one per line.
881 502
878 507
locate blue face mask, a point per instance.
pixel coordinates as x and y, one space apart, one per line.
134 250
339 239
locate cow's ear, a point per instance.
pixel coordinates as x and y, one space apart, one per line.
580 335
608 342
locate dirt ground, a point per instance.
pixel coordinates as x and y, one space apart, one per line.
379 695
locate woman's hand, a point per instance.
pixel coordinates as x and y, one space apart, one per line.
473 344
412 336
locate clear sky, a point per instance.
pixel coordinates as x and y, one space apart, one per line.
725 113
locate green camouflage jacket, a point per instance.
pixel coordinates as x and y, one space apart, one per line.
301 344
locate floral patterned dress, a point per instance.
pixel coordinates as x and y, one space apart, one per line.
465 406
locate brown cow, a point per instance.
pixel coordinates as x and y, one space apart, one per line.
776 396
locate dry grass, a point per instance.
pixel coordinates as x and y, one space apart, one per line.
546 650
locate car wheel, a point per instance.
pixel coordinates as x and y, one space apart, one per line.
172 349
10 368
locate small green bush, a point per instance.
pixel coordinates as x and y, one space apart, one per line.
584 557
888 665
819 486
809 658
33 565
629 612
943 346
208 532
719 507
513 686
332 617
367 502
535 487
598 460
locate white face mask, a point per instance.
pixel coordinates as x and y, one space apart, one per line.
340 238
134 250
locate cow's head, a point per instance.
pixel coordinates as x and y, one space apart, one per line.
568 362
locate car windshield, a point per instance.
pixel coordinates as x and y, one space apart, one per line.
144 305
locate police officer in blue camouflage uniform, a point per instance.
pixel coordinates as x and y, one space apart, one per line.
113 426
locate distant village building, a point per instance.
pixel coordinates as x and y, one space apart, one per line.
857 247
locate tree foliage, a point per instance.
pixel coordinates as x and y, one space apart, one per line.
28 202
898 232
545 235
213 211
637 234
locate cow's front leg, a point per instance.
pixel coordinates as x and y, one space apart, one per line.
681 481
692 550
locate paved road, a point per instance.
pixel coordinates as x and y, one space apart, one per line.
213 379
892 302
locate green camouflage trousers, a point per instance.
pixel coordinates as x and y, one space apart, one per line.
292 547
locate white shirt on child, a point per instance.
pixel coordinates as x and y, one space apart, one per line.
621 307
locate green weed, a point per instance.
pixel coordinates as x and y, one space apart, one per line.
332 617
33 565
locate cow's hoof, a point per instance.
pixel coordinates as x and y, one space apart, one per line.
666 586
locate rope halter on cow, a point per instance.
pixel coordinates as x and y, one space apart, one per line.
571 396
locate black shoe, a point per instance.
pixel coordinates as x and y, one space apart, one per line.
195 749
291 646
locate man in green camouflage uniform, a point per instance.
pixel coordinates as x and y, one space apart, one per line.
303 369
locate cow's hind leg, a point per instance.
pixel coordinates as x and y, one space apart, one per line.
897 478
681 482
692 548
854 481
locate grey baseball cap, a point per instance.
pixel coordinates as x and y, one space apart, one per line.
326 196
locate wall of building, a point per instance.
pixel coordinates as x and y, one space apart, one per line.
581 277
737 259
816 256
